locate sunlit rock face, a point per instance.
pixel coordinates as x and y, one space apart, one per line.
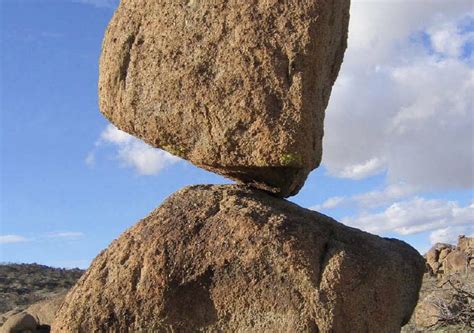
234 259
235 87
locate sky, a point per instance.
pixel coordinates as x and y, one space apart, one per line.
398 156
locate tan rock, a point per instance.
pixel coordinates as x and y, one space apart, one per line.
435 254
45 311
443 253
231 259
427 312
19 323
455 262
4 316
435 267
236 87
432 255
466 245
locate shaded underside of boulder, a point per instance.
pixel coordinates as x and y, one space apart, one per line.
235 87
232 259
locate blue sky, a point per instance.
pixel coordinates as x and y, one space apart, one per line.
398 149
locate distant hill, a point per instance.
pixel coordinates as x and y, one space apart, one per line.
24 284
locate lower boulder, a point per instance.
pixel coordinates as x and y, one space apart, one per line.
228 258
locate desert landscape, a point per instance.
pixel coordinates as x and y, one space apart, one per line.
301 157
445 303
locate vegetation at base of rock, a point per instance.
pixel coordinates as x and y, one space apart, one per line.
446 301
457 310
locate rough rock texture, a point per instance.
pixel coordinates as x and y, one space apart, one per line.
232 259
236 87
45 311
426 313
447 293
445 259
37 318
445 305
466 245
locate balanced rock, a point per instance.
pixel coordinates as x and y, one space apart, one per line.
236 87
232 259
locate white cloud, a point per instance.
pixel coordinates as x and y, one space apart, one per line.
369 200
403 101
65 234
448 40
90 159
415 216
450 234
9 239
363 170
113 135
330 203
100 3
134 153
388 195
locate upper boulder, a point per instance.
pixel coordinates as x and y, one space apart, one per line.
236 87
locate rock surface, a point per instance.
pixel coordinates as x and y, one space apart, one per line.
231 259
445 259
37 318
19 323
235 87
445 305
446 301
45 311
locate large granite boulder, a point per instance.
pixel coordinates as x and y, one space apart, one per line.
236 87
232 259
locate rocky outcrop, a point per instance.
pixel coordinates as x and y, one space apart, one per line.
37 318
231 259
446 304
446 300
445 259
236 87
